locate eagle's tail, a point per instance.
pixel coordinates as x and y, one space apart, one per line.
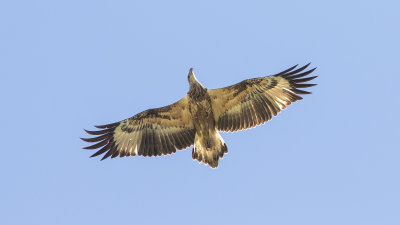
209 155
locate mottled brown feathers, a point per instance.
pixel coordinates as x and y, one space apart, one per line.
153 132
197 118
253 102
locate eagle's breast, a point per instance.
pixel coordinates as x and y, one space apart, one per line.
200 108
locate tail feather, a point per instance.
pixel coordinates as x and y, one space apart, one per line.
209 156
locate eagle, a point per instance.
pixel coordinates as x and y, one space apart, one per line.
197 118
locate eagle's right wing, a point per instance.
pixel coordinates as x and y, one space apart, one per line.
254 101
152 132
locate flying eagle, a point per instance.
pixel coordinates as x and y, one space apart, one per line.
197 118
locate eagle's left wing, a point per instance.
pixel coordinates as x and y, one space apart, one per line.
153 132
254 101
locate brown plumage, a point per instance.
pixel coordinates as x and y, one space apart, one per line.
197 118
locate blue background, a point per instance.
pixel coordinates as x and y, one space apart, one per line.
332 158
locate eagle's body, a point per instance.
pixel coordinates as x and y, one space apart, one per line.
197 118
208 144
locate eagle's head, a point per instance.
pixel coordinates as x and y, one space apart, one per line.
196 88
192 79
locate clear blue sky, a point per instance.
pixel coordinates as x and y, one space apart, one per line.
333 158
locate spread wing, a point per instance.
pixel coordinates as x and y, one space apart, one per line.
153 132
254 101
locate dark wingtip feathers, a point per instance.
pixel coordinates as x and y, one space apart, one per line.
304 79
104 139
111 125
297 78
295 71
98 132
286 71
